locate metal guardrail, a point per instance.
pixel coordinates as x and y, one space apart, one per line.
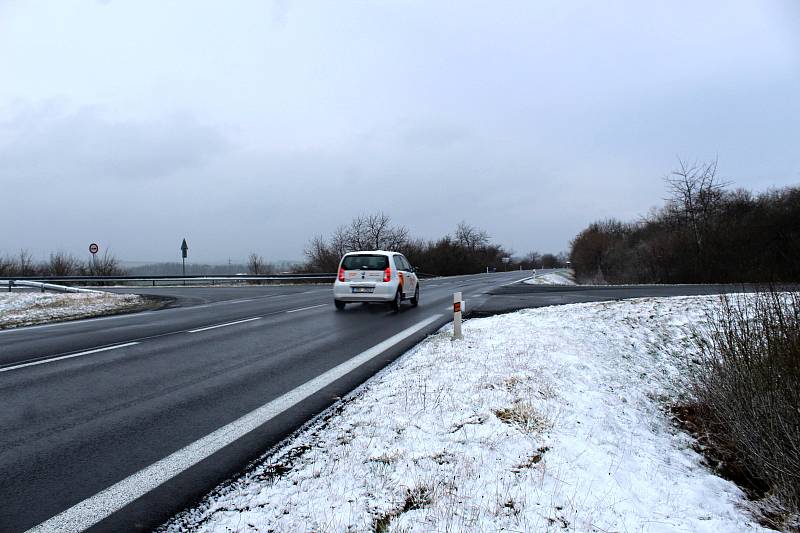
319 277
11 283
322 275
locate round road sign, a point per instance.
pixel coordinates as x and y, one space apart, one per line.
93 248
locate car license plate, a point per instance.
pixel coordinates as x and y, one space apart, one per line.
362 289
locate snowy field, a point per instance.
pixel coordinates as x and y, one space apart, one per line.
28 308
550 419
552 278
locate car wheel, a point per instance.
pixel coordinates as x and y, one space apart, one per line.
339 304
396 302
415 299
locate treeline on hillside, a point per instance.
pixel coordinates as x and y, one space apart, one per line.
469 250
175 268
256 265
59 264
704 233
64 264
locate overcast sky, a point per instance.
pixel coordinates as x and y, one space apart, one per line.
253 125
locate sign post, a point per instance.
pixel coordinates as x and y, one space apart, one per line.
184 255
93 249
457 308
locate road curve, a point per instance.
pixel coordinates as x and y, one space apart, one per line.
92 405
116 423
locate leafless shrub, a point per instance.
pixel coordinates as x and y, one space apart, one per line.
59 264
6 266
416 498
256 265
62 264
105 265
748 388
25 265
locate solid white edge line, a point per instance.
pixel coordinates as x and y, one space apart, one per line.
96 508
70 356
198 330
304 308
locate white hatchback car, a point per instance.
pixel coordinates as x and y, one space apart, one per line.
375 276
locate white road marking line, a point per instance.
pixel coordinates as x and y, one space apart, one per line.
70 356
304 308
95 508
227 302
198 330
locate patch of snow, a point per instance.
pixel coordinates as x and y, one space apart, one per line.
29 308
551 278
542 420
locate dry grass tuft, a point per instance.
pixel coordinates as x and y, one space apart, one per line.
524 415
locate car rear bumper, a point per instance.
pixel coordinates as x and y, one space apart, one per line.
382 292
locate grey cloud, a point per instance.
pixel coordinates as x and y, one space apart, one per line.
435 136
529 121
47 142
280 12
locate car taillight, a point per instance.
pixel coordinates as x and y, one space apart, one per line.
387 274
341 274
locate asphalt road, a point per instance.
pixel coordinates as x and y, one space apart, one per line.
89 404
117 423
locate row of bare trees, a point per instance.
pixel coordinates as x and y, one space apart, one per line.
59 264
704 233
371 232
468 250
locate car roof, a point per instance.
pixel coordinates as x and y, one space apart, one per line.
372 252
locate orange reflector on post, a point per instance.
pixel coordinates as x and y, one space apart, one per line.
457 307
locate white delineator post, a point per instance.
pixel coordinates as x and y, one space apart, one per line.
457 305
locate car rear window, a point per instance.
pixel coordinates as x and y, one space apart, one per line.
365 262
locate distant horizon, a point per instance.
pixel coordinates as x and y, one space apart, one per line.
242 262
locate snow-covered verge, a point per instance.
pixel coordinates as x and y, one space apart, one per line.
547 419
29 308
551 278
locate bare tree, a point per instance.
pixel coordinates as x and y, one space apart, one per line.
366 232
532 260
471 237
256 264
375 232
323 256
550 261
696 194
340 243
